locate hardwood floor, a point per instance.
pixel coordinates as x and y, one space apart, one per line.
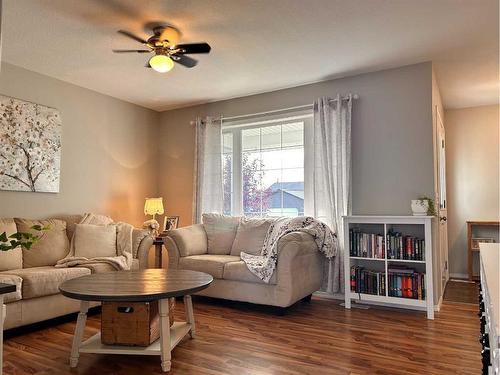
316 338
462 291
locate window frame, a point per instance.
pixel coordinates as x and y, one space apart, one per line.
236 128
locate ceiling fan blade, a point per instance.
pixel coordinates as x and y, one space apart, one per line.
131 50
132 36
194 48
186 61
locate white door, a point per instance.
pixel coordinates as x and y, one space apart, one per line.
441 199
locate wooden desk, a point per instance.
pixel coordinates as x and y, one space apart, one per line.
4 289
470 250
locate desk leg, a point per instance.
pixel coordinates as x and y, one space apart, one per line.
158 256
77 338
188 305
2 320
164 336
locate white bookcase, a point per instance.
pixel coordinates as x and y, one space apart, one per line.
415 226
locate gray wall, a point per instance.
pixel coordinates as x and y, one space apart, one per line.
108 151
392 149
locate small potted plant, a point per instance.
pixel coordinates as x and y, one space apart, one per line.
423 206
25 240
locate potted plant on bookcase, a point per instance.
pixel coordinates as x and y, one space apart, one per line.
423 206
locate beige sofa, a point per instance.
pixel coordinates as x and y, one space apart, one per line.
37 296
214 247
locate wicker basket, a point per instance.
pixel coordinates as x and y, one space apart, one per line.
132 323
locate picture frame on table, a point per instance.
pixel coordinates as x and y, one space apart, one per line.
170 223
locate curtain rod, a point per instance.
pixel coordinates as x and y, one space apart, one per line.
304 106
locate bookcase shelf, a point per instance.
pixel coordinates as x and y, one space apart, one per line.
381 273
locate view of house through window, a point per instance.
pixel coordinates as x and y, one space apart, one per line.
263 169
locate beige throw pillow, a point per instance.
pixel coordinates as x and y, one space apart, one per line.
12 259
53 245
92 241
221 230
250 236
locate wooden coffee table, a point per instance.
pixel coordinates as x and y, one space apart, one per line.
136 286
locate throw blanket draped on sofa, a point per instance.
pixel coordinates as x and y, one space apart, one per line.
263 265
123 258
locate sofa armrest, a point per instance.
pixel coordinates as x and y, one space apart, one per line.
142 240
299 269
173 252
190 240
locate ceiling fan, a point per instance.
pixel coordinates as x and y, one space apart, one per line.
162 44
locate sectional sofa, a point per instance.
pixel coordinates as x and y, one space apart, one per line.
37 294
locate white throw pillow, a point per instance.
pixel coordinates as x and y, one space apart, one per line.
250 236
92 241
221 230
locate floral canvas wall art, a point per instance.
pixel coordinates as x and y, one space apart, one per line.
30 146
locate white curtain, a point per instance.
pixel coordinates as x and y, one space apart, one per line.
331 180
208 192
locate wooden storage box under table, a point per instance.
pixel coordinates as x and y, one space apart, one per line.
132 323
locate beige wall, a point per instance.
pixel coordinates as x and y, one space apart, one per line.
472 155
108 151
392 154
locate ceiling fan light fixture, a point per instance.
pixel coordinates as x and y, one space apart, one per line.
161 63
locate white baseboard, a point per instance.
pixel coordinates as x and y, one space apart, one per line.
459 276
326 295
339 296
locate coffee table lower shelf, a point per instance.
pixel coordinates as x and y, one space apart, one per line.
94 345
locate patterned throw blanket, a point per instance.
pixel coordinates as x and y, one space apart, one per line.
263 265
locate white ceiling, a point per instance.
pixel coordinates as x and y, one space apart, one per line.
257 45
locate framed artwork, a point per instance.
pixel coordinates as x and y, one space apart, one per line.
30 146
170 222
476 241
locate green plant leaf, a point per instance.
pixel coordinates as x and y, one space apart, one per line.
3 237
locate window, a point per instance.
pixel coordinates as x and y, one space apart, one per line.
263 167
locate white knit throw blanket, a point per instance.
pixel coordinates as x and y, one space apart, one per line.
263 265
123 258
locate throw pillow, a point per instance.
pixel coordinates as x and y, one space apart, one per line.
92 241
250 236
221 230
52 246
12 259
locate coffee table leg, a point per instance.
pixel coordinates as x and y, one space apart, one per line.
164 335
77 338
188 304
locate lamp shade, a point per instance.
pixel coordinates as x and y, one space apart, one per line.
153 206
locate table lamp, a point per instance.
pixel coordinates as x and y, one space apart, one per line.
153 206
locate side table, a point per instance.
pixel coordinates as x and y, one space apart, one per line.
158 242
4 289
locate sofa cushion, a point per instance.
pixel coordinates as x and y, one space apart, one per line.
7 278
190 240
45 281
211 264
71 221
53 244
221 230
91 241
250 236
238 271
12 259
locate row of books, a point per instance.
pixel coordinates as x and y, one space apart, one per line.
367 281
404 247
406 283
402 282
366 245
